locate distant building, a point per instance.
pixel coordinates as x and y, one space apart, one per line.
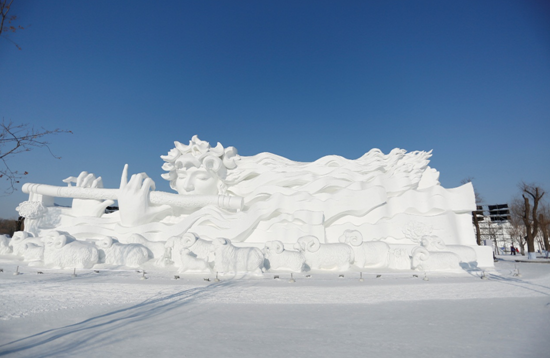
494 226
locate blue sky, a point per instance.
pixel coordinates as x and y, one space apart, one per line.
302 79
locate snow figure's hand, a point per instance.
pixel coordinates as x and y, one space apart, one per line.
133 200
88 207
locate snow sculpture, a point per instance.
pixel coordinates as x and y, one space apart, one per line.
156 249
280 259
19 241
201 248
371 254
231 259
424 260
190 263
325 256
5 248
114 253
433 243
399 259
34 211
172 250
87 207
33 253
257 199
63 251
23 244
197 247
198 168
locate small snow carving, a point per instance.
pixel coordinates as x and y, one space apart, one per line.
63 251
281 259
113 252
5 248
325 256
232 259
424 260
372 254
31 209
190 263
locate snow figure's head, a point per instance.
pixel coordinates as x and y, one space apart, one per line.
197 168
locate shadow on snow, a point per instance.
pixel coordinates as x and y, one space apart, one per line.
66 339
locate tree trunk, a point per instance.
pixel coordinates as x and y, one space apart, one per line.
476 224
544 228
531 227
530 243
545 241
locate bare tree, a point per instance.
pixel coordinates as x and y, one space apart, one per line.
18 138
477 213
7 22
531 195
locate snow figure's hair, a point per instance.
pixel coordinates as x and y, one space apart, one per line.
400 170
277 190
199 153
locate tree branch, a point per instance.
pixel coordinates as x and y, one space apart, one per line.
4 9
17 139
5 6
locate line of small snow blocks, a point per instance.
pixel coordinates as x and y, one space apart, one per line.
483 275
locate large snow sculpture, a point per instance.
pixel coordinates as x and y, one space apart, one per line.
262 198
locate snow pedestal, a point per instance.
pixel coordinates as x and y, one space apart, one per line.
484 256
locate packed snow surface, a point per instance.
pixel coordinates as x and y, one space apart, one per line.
117 313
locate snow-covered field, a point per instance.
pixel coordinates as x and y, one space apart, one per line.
116 314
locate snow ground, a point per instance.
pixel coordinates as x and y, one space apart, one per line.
115 314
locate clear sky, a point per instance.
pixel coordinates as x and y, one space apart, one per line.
302 79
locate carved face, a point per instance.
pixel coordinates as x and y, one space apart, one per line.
197 181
